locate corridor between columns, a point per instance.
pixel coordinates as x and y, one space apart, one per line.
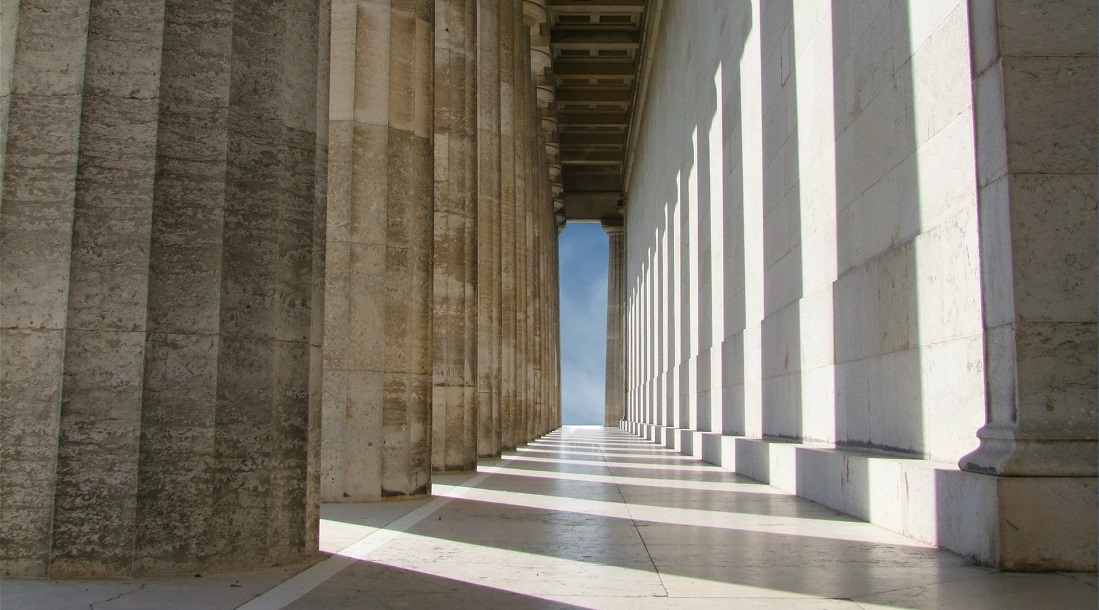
589 517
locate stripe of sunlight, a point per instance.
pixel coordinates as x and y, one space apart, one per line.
631 441
748 488
561 451
849 531
615 450
609 464
534 452
466 562
633 446
638 444
647 451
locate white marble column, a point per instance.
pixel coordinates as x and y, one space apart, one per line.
1034 99
614 411
377 374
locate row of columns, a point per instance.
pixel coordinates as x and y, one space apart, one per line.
163 220
233 286
1036 214
461 308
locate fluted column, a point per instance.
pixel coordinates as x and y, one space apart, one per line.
616 361
509 12
489 85
376 434
157 258
522 203
538 309
40 186
454 323
1038 245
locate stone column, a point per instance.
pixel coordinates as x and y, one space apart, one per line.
549 242
538 311
377 374
616 361
509 15
529 261
522 204
1034 99
489 87
9 31
36 232
454 323
157 244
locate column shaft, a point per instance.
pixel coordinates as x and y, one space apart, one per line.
1036 202
377 374
509 14
454 323
616 383
42 144
489 87
158 249
522 183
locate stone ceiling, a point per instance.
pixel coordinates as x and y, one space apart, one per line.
595 51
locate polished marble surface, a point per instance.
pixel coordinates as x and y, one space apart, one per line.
593 518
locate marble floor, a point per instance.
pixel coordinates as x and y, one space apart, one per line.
589 517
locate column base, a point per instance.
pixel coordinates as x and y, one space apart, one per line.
1010 452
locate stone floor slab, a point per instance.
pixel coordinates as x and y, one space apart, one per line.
592 518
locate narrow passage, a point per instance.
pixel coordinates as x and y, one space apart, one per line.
591 517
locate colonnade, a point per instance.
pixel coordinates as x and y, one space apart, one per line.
254 258
163 207
445 351
876 292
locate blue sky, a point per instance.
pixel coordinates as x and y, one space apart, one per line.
583 256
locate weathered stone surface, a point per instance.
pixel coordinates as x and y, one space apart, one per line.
455 273
489 143
178 241
614 407
1037 192
376 408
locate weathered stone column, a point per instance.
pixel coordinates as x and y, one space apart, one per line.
9 31
522 204
377 378
1036 148
36 233
557 324
489 90
454 323
509 12
539 309
549 325
1034 98
529 264
157 245
616 295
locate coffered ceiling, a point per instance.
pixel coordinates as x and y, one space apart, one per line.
595 50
